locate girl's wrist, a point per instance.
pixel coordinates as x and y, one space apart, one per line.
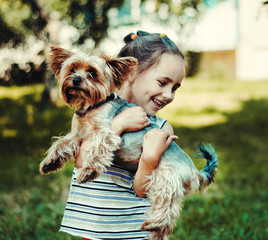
145 168
149 162
116 126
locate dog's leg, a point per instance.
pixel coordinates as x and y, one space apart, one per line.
165 191
98 155
161 235
64 149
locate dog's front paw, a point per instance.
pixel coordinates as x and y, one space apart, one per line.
158 232
152 227
159 235
50 165
86 174
156 227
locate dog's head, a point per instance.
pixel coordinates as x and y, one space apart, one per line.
86 80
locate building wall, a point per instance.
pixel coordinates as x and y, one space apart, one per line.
217 64
233 25
252 48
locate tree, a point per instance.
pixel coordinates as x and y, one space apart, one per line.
21 19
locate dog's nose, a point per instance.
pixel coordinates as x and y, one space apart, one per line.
77 81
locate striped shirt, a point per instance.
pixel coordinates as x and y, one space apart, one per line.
108 208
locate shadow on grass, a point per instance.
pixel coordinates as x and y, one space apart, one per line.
31 205
234 207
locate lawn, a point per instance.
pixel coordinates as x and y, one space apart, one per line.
232 115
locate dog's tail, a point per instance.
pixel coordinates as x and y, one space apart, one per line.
207 175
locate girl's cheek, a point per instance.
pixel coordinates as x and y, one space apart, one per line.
171 99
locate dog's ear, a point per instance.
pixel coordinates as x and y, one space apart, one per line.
57 57
121 68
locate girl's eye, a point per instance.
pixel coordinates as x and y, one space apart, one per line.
73 70
161 83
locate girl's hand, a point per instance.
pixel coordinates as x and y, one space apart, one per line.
155 143
130 120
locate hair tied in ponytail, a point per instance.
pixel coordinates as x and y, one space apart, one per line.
134 36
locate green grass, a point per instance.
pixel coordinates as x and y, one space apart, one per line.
231 115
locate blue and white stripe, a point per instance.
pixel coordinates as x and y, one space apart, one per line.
108 208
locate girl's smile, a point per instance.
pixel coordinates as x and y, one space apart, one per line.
158 104
155 88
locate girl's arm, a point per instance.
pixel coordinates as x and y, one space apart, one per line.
130 120
155 143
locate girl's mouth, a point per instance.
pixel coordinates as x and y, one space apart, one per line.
159 104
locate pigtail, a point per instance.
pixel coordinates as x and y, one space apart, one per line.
131 36
128 38
147 48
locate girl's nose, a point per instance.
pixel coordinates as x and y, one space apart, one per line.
168 95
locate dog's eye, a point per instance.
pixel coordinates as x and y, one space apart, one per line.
92 73
73 70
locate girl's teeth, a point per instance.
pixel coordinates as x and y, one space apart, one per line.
157 102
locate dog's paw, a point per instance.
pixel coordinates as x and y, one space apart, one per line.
148 226
50 166
157 232
86 174
160 235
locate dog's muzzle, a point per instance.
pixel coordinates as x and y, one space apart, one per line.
77 81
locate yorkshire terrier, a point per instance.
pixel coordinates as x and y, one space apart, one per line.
88 83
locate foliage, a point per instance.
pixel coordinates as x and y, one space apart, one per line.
8 33
32 16
193 59
89 17
21 20
231 115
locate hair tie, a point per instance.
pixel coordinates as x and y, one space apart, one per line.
134 36
163 35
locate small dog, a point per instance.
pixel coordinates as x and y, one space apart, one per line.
88 83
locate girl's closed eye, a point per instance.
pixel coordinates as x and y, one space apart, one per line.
161 83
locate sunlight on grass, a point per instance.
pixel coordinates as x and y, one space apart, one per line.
15 92
9 133
195 122
199 107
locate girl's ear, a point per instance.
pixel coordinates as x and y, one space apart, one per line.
121 69
57 57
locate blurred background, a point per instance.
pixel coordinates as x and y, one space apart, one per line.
223 100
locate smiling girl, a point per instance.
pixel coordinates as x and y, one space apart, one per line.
114 205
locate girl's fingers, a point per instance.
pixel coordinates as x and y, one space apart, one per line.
172 138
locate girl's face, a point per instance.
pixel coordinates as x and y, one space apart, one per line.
154 88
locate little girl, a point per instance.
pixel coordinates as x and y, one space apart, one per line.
114 205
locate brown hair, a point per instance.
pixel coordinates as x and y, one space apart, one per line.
148 48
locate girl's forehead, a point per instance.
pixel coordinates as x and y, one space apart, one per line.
170 65
170 57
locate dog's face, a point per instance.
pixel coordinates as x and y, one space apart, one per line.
86 80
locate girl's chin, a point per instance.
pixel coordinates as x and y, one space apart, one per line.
151 112
151 109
